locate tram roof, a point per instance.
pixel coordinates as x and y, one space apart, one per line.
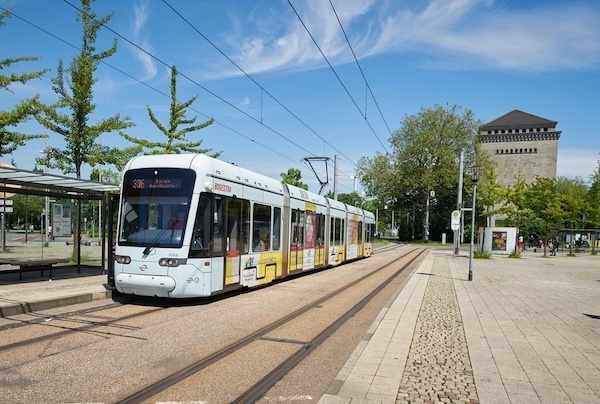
11 179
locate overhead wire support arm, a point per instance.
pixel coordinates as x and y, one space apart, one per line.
323 183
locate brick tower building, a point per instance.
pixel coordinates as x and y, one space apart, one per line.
521 143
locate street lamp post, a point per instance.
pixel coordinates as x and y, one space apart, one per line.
474 179
385 207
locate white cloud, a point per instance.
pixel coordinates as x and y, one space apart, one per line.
139 22
449 33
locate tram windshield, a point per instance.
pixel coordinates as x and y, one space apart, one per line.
155 207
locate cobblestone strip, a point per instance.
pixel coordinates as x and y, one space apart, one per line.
438 368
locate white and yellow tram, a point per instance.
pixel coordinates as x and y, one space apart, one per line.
190 225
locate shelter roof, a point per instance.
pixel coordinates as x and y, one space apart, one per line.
11 179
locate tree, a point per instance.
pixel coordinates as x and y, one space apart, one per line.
176 138
575 204
490 193
543 199
75 95
104 175
353 198
10 140
593 198
293 177
516 207
26 211
425 150
74 88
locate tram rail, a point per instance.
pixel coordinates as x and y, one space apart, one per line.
258 390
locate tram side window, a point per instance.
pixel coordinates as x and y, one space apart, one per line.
360 232
340 231
297 228
276 229
320 229
202 237
337 231
238 212
332 232
261 227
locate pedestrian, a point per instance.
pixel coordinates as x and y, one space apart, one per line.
550 247
521 243
555 245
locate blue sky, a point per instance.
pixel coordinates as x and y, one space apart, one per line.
284 101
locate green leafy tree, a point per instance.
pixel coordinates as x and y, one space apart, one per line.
353 198
11 139
543 199
575 205
293 177
104 175
70 116
593 198
26 211
424 159
74 88
176 138
490 193
516 207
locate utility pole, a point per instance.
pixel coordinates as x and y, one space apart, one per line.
457 233
474 178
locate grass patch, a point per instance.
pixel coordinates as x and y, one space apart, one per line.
482 254
515 254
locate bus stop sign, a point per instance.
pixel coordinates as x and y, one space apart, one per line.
455 220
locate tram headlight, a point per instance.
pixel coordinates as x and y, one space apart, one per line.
171 262
122 259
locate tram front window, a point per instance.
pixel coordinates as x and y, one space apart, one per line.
154 210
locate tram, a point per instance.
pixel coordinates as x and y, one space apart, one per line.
191 226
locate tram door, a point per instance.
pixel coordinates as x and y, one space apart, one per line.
218 243
237 238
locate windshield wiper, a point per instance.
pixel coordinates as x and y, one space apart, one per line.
153 244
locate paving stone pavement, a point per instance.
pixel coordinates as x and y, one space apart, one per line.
438 367
522 331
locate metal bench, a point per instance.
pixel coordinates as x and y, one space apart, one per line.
34 264
84 242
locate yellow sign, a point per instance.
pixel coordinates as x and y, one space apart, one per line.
310 206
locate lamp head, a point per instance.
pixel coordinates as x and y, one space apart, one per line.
475 174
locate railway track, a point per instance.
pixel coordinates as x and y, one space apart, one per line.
151 350
163 388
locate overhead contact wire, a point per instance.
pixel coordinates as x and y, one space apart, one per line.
337 76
